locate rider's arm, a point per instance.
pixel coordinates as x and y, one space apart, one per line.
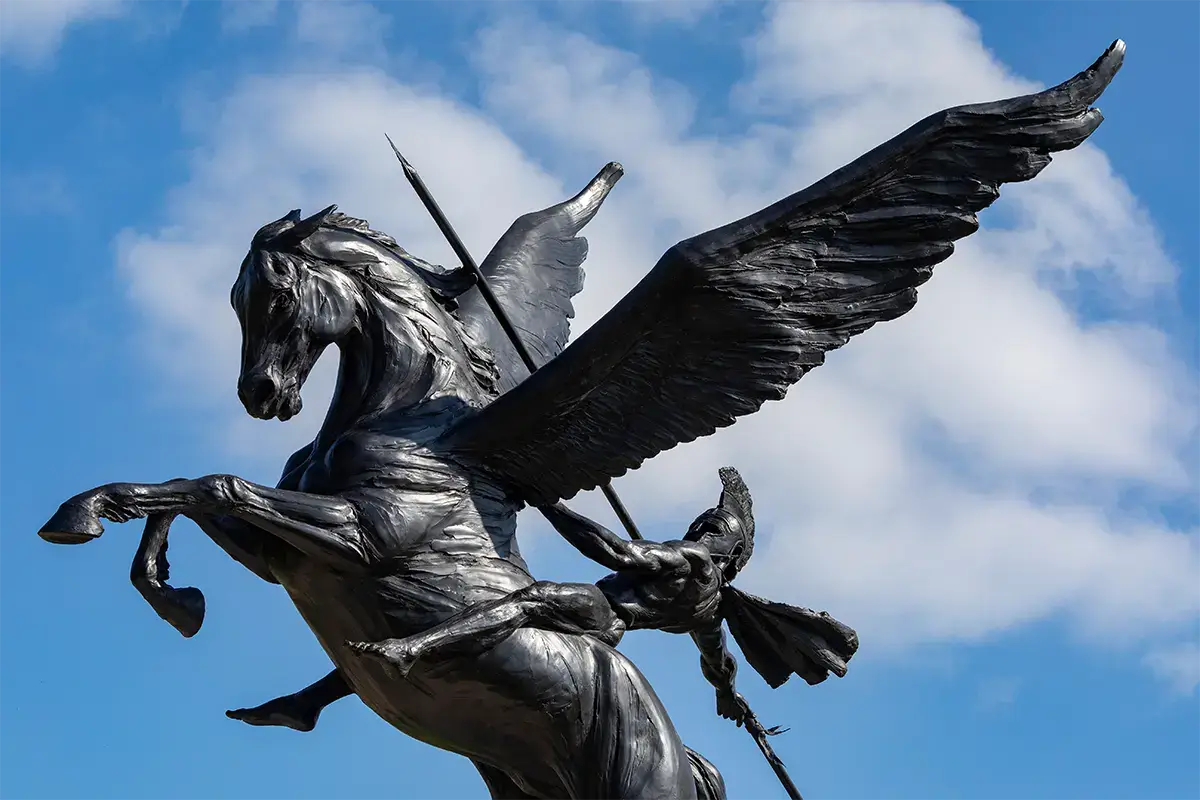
716 662
607 548
719 668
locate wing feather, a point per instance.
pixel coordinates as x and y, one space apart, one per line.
534 271
730 319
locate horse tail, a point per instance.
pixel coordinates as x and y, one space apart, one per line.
709 783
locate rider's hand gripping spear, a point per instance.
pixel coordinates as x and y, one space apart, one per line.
753 726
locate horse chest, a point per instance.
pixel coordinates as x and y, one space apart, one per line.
358 457
315 478
412 495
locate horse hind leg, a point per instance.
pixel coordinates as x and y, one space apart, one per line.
499 785
709 783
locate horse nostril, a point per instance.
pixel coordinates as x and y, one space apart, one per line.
256 390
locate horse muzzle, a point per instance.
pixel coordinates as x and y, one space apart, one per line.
264 397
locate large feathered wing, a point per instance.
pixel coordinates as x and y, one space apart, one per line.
731 318
534 270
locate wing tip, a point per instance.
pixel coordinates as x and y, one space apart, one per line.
1092 82
583 206
606 178
613 171
1111 61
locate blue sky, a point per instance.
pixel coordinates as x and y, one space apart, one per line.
998 491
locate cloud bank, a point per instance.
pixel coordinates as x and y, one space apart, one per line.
32 30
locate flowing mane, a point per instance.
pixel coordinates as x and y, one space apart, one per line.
337 219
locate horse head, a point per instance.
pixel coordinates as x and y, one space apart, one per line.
285 326
307 283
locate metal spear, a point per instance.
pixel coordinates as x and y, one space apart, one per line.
760 734
753 726
493 302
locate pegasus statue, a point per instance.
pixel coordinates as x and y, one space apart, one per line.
394 530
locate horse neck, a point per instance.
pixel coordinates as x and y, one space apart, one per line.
388 366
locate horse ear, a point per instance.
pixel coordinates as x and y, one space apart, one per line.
272 229
305 227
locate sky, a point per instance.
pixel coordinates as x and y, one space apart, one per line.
998 491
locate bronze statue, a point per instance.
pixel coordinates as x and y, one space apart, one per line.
678 587
399 519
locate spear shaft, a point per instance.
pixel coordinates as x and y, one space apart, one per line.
760 734
753 726
460 250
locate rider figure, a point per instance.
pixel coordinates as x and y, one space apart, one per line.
678 586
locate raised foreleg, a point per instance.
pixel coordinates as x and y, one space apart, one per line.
183 608
324 527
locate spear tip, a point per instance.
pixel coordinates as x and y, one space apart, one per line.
408 168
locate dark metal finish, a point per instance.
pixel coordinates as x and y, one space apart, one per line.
621 511
460 250
182 608
396 527
611 174
760 735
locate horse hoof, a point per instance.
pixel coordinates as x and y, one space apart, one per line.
73 523
182 608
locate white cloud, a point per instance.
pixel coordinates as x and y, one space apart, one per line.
239 16
349 28
308 141
32 30
680 12
1042 418
859 73
1179 666
319 31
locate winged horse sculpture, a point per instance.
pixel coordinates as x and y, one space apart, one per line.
402 511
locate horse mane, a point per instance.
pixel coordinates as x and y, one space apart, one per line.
337 219
444 284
